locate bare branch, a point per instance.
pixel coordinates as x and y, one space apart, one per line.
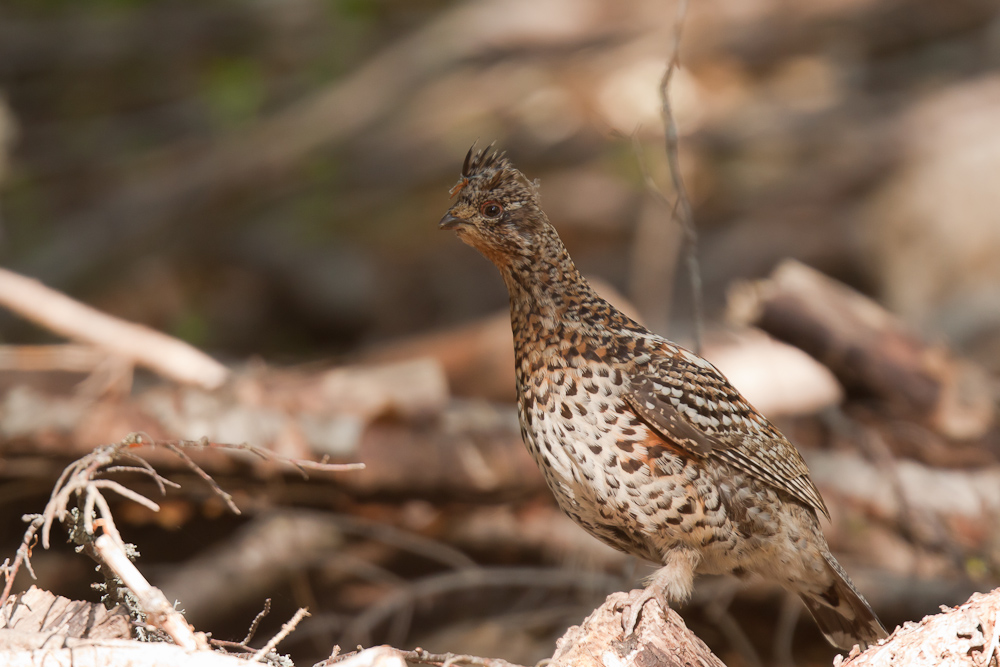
300 464
159 612
107 521
683 204
205 476
170 357
124 491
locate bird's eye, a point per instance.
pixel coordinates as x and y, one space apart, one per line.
491 209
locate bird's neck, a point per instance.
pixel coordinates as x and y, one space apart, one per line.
546 289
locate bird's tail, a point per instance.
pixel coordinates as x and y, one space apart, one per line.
841 613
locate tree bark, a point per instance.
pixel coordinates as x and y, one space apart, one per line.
660 640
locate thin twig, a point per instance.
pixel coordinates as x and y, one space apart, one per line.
256 621
267 455
74 479
238 647
423 657
205 476
654 263
23 556
144 468
108 521
112 485
286 630
686 216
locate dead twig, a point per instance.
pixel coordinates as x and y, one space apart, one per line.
683 203
256 621
82 479
238 647
159 612
286 630
228 499
301 465
23 556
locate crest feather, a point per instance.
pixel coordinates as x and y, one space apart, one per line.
489 168
484 161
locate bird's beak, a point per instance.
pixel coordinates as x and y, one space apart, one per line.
449 221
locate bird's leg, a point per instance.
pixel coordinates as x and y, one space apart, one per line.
671 583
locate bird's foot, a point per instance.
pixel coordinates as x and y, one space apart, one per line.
637 599
673 582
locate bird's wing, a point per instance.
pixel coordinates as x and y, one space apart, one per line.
688 402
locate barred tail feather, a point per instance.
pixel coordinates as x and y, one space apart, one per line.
841 613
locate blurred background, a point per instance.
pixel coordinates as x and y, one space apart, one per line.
263 180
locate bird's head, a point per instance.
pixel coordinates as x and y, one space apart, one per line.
496 208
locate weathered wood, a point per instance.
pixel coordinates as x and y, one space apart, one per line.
39 611
963 636
868 349
659 640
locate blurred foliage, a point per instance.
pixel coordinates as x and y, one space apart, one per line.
234 91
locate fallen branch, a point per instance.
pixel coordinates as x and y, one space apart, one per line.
168 356
868 349
82 479
154 604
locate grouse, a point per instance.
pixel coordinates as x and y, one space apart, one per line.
643 443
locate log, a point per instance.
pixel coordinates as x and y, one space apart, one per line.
660 639
962 636
868 349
